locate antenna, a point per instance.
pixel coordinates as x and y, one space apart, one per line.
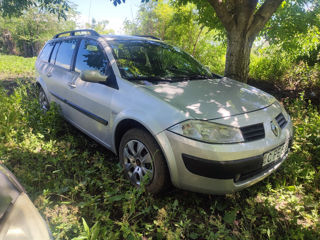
89 20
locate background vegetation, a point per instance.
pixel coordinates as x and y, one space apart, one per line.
78 185
26 34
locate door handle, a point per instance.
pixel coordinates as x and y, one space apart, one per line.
72 85
49 74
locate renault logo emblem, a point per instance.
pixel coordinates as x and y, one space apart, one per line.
275 128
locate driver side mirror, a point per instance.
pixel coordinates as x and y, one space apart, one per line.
92 76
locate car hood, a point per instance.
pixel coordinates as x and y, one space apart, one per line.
211 98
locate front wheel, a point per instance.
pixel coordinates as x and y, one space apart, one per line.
143 161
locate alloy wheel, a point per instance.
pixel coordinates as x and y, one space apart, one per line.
137 161
43 101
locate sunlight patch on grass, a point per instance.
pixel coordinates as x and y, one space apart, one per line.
12 67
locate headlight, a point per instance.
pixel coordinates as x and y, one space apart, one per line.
208 132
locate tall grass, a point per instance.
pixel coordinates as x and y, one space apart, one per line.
79 188
15 66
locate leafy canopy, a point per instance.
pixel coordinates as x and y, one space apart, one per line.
9 8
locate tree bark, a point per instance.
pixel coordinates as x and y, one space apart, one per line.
238 56
8 42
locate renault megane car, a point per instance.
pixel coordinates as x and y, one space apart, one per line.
165 115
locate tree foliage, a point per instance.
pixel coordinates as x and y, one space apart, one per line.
100 26
291 22
26 34
9 8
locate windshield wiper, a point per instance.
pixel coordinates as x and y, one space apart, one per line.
198 76
169 79
149 78
190 77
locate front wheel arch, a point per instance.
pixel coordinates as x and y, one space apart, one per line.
124 126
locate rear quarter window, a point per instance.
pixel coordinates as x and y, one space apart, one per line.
54 53
46 51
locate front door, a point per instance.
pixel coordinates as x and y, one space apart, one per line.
91 101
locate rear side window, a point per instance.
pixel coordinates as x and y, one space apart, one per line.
45 53
54 53
91 57
65 53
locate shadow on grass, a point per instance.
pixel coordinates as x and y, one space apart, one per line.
11 83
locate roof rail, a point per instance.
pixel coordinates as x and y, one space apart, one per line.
72 33
148 36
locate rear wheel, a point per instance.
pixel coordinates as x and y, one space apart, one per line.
143 161
43 100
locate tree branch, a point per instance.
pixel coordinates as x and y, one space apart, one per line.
262 16
222 12
245 12
196 42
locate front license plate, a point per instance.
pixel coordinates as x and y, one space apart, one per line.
275 154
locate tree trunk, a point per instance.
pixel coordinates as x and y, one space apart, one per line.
8 43
238 56
243 20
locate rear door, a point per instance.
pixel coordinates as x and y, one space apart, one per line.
61 75
43 65
91 101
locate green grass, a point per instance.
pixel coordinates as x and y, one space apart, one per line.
78 185
15 66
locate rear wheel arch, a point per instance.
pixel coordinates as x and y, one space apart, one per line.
41 85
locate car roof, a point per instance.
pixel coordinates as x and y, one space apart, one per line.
93 34
111 37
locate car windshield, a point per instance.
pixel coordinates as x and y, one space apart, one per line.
155 61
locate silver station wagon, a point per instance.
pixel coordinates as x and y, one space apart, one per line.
167 117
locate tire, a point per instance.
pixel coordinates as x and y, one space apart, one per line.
140 157
43 100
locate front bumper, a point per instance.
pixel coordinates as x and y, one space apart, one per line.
220 168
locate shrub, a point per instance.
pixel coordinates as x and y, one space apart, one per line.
307 129
302 77
213 56
270 67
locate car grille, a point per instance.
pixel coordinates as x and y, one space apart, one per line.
281 120
253 132
250 174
